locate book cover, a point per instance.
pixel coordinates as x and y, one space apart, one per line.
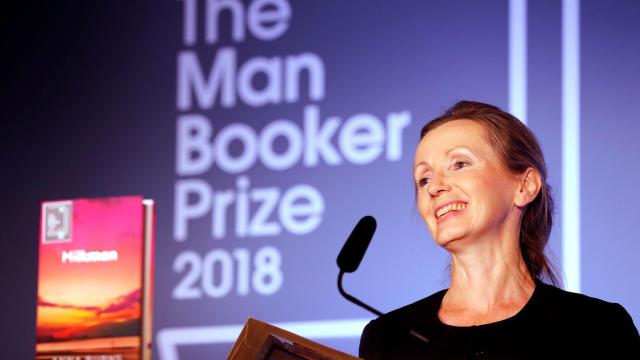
95 279
261 341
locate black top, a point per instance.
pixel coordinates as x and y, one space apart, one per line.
554 323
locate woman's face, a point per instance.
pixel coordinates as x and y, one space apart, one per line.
464 190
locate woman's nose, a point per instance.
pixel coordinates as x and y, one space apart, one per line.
438 185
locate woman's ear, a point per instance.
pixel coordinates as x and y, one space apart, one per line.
528 188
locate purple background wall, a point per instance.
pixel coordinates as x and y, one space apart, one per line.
91 109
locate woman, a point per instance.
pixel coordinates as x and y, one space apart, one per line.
481 189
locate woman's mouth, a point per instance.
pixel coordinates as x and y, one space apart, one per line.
449 209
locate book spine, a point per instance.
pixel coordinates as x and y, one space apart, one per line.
147 281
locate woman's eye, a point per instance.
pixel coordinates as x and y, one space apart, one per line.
459 164
424 182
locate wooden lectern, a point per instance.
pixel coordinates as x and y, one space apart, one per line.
262 341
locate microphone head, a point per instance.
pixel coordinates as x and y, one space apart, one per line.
356 245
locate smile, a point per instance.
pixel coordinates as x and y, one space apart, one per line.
449 208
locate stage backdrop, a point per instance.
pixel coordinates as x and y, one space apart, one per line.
265 129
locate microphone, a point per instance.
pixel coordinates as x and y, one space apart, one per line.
352 253
349 259
356 245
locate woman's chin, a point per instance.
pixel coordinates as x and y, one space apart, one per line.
448 237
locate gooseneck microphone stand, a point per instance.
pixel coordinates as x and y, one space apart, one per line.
354 299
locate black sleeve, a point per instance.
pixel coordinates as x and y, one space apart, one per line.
621 334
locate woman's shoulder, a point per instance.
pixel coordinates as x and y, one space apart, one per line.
586 312
421 314
570 302
401 331
583 322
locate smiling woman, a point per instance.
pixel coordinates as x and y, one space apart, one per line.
497 152
481 189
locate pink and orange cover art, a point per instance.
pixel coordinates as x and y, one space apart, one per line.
94 279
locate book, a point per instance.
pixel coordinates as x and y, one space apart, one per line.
262 341
95 279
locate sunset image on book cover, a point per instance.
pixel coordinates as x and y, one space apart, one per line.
95 279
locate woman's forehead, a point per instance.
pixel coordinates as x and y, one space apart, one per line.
454 134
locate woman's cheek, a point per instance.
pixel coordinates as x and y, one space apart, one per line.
422 208
425 212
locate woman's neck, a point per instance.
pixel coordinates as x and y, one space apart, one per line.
487 284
